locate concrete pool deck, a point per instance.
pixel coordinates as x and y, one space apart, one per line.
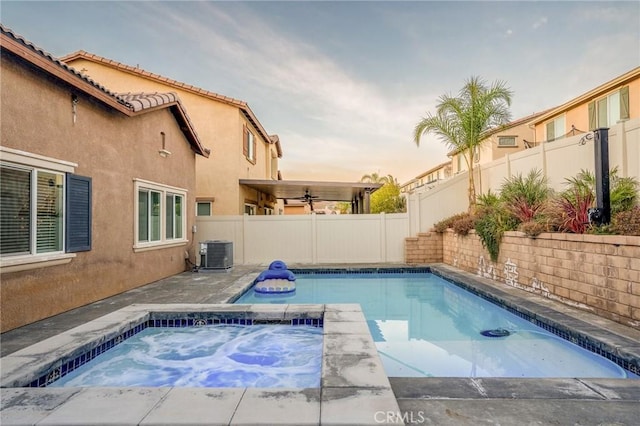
420 400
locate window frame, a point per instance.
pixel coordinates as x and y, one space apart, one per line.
501 145
249 145
22 160
252 207
208 203
617 100
561 119
141 185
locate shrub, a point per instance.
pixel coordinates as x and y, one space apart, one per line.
447 223
464 223
623 191
490 225
488 200
533 228
627 222
525 197
573 207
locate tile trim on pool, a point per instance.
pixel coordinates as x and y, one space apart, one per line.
68 366
363 271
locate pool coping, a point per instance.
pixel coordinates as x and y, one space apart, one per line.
354 386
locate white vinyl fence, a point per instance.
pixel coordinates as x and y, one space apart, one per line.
379 238
314 239
558 160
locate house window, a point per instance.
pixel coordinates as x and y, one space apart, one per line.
509 141
173 214
203 208
268 211
250 209
555 129
45 210
32 211
609 110
249 145
160 214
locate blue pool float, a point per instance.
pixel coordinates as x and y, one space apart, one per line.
275 280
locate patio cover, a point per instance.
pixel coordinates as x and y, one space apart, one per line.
357 193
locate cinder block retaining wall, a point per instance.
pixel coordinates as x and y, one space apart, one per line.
597 273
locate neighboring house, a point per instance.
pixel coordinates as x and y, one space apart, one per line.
241 146
428 179
97 189
614 101
513 137
296 207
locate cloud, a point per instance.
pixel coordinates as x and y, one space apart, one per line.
348 122
539 22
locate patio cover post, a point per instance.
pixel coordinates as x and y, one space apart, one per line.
367 201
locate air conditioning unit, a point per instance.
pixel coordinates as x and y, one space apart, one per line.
216 254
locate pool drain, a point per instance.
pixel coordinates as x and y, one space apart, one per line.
498 332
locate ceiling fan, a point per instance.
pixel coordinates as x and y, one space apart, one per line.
308 198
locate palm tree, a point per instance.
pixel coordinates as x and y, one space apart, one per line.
376 178
461 121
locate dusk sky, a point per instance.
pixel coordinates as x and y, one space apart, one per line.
344 83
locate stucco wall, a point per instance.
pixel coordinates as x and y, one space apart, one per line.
578 115
596 273
113 150
220 127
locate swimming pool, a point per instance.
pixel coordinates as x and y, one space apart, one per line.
424 326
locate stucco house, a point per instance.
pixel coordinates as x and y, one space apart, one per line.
97 188
242 147
610 103
510 138
428 179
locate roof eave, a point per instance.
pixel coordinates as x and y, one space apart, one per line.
588 96
243 106
50 67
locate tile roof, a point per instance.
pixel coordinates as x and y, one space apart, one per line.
141 101
42 53
242 105
128 104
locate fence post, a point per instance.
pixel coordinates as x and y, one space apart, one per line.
245 237
543 160
383 237
314 239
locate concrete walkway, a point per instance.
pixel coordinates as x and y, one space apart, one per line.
440 401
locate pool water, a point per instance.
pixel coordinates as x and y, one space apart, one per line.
423 325
266 356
